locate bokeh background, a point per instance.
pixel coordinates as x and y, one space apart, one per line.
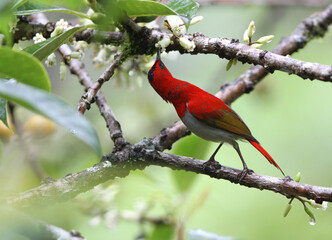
291 117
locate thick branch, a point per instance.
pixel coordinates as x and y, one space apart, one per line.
141 155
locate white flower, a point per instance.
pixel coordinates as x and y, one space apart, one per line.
51 60
322 206
187 44
38 38
101 56
80 45
177 26
62 23
60 27
163 43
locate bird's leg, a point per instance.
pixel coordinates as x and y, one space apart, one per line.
245 170
212 161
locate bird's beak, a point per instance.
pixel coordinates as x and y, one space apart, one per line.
158 56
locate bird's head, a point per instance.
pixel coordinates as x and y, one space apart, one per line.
158 71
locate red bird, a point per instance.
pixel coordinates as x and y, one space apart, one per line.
204 114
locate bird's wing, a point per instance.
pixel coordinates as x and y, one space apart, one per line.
217 114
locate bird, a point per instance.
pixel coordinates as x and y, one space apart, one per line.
204 114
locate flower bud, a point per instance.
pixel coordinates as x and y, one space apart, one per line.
312 220
176 24
76 55
251 29
246 36
187 44
163 43
265 39
196 20
256 45
63 71
51 60
298 177
229 64
287 210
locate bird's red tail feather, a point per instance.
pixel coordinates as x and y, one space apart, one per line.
266 154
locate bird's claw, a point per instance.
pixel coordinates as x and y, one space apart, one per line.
211 165
244 173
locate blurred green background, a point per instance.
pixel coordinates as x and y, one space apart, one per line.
291 117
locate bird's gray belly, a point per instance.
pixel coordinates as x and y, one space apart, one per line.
207 132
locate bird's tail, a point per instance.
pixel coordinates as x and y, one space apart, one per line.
265 153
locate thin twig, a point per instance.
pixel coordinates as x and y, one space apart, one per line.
93 89
77 67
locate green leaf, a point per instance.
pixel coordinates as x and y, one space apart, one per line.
6 16
17 3
162 232
24 68
140 8
3 111
43 49
186 9
33 8
52 107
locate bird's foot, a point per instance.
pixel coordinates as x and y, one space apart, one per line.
211 164
244 173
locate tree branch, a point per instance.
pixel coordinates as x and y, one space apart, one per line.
77 67
144 40
141 155
92 90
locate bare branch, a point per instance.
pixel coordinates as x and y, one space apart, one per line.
139 156
93 89
77 67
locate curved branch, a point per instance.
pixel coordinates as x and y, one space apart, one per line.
141 155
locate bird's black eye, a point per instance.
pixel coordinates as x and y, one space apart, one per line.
161 65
